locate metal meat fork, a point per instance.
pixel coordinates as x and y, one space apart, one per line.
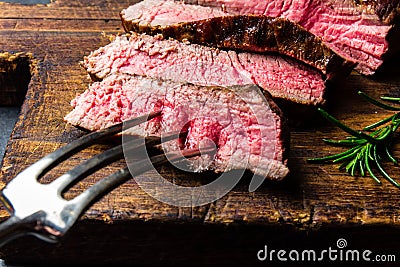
40 209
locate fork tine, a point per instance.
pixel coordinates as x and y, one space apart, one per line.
40 210
82 202
46 163
95 163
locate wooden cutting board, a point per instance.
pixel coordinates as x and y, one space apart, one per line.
312 208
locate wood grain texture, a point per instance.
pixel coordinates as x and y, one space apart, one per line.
317 201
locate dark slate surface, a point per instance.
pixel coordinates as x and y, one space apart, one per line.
8 117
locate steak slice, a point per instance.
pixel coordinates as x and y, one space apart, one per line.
348 27
251 33
244 124
170 59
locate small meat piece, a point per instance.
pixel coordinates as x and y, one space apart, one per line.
358 30
244 124
154 56
250 33
387 10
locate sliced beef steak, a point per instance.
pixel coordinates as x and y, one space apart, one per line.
348 27
244 124
251 33
170 59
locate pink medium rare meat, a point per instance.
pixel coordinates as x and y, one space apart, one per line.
170 59
353 30
245 125
249 33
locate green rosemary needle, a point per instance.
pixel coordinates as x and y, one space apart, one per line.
366 149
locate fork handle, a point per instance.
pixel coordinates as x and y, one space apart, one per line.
11 228
15 227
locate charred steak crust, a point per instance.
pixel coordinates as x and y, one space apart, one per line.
252 33
388 11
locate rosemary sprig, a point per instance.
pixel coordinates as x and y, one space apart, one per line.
366 149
